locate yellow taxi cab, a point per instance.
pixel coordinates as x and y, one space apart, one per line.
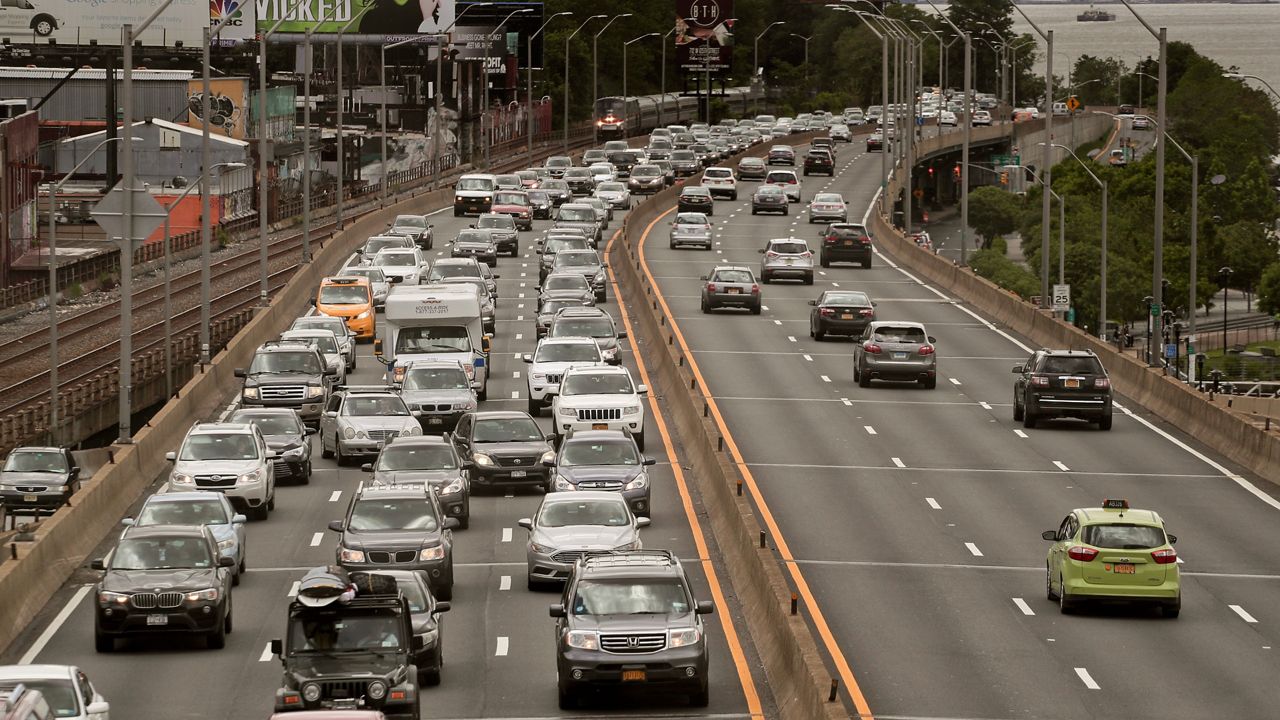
350 298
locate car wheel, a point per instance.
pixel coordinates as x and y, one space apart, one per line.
532 584
930 382
700 696
864 379
217 638
1104 423
1171 610
353 363
764 278
226 621
445 591
102 642
258 513
306 473
786 211
325 452
464 520
1066 605
338 457
271 502
672 245
235 578
1048 585
244 565
483 393
535 407
566 697
755 309
705 307
866 263
429 678
639 437
1028 418
819 334
753 211
1017 410
808 279
823 261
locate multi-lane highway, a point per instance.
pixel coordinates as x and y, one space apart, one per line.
499 645
910 518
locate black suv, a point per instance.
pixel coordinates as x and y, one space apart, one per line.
288 374
629 618
819 161
506 447
349 645
164 579
845 242
1062 383
401 528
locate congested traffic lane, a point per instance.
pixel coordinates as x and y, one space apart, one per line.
499 643
914 516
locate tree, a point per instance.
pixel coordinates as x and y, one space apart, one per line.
1269 290
993 212
1249 250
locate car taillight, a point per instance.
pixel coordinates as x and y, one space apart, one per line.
1040 380
1102 383
829 240
1166 556
806 254
866 312
771 254
711 287
1083 554
871 347
926 349
755 289
826 312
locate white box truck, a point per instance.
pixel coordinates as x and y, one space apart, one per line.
435 322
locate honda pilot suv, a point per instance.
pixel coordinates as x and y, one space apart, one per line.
288 374
629 618
1062 383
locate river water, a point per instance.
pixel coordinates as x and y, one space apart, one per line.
1243 35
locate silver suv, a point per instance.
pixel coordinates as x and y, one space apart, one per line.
786 258
230 458
360 420
895 350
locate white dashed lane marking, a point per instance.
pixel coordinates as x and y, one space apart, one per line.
1245 616
1019 433
333 496
293 589
933 503
954 381
898 462
503 645
1023 606
807 357
1087 679
1061 466
504 583
985 406
506 535
870 430
316 538
973 549
266 654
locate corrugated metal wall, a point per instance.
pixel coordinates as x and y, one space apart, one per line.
161 94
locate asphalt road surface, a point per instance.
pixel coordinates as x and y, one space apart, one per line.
910 519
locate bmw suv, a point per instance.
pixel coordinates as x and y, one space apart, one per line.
1062 383
630 618
398 527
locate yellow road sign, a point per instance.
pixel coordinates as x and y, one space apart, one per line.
1073 103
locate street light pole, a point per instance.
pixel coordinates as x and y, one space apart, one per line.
968 127
595 83
884 101
1102 300
755 62
1047 158
806 40
1224 276
529 76
566 75
206 158
485 122
382 80
341 140
662 92
441 38
626 116
1242 76
306 133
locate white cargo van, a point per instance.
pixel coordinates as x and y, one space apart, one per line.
474 194
435 322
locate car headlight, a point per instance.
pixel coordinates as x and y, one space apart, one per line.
567 412
377 690
582 639
548 457
362 435
251 393
454 486
633 545
315 391
249 477
181 479
295 451
683 638
640 482
206 595
365 315
633 410
540 377
226 544
599 278
483 460
432 553
106 597
412 429
468 405
311 692
562 483
349 555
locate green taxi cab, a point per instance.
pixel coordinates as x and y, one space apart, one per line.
1112 553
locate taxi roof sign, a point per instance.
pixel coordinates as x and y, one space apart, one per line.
1115 504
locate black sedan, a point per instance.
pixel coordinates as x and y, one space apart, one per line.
477 243
769 198
540 203
696 199
558 190
840 312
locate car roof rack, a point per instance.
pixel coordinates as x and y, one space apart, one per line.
624 558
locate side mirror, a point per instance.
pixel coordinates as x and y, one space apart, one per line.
549 463
331 413
622 334
1172 538
557 610
932 339
704 277
128 522
224 561
239 519
98 564
336 525
393 279
496 276
642 522
550 437
330 372
442 606
452 523
1018 369
367 467
642 389
101 707
813 303
277 647
75 472
525 523
485 344
648 461
171 456
312 301
308 430
705 607
377 347
1051 535
240 372
527 357
761 251
272 454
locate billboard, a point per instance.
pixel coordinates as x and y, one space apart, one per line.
241 26
481 21
228 106
70 22
704 34
375 17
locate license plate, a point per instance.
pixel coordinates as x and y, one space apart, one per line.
600 426
157 619
899 356
790 261
734 291
848 242
517 473
1071 383
435 421
633 676
1124 569
846 316
29 498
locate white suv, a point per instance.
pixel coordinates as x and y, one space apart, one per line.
787 180
599 398
720 181
230 458
550 360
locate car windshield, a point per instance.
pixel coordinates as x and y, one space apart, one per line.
540 197
577 173
410 221
558 185
565 282
371 247
306 363
845 298
848 231
475 184
451 270
551 307
511 179
373 274
337 325
347 632
646 171
325 344
183 512
612 186
576 259
630 597
564 514
555 245
393 514
474 236
161 553
36 461
375 405
272 424
596 384
897 333
790 248
436 378
506 430
691 219
417 457
344 295
1071 365
219 446
503 222
683 155
509 198
733 276
696 192
567 352
582 327
600 453
395 259
769 190
57 692
583 214
827 198
436 338
1118 536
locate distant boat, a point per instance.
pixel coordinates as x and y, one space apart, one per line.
1094 15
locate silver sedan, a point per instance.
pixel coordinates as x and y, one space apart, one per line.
570 524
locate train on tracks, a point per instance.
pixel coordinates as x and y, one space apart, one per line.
619 117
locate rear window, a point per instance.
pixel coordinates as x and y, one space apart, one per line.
893 333
1123 537
846 231
788 247
733 276
1071 365
698 191
718 173
787 178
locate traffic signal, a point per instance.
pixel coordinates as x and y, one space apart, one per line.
930 172
955 172
1004 178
